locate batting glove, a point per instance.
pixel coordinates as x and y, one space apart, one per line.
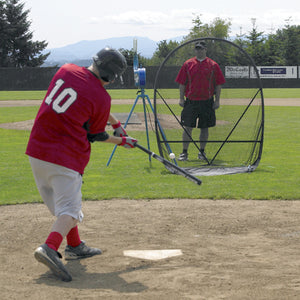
119 130
128 142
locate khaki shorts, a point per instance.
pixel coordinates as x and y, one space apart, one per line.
59 187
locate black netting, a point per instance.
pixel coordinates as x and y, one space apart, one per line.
235 143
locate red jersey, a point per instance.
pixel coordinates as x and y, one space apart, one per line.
74 99
200 78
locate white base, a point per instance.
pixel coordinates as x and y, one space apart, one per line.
153 254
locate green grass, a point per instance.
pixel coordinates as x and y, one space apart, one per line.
17 114
22 95
131 175
131 94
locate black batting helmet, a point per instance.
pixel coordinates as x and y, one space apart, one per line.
110 64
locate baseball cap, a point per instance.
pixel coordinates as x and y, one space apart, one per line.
200 44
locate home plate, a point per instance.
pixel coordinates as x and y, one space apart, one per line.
153 254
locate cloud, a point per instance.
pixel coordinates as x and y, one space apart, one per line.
138 18
267 22
93 20
281 17
175 22
172 18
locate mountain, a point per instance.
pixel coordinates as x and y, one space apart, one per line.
82 52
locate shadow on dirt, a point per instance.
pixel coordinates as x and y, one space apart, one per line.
83 280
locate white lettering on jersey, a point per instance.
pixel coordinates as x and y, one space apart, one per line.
68 93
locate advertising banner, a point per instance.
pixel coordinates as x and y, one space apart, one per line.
282 72
237 72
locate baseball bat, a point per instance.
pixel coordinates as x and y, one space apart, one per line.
170 166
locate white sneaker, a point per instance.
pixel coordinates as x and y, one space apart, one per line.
183 156
202 155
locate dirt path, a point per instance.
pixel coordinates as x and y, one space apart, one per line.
269 102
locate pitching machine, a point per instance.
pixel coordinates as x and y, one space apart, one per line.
140 82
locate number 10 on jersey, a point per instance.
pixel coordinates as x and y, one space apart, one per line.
63 100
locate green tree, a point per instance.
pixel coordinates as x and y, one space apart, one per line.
292 45
255 45
3 32
218 28
17 47
129 54
275 50
164 47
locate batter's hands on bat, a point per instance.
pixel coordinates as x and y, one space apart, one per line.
128 142
119 130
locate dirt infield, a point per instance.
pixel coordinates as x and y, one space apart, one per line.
231 250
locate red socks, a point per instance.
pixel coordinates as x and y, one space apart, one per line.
73 238
54 240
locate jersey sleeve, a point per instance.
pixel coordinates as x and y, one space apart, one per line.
219 75
182 75
100 115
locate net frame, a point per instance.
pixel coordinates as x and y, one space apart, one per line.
211 168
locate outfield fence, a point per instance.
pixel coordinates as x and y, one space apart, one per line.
15 79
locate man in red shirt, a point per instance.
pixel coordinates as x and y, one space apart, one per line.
74 113
200 81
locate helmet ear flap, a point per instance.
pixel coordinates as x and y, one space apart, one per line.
110 64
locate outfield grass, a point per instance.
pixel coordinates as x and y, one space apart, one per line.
131 94
131 175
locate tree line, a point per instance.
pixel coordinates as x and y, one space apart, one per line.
282 47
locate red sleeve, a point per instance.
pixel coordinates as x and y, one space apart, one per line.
219 75
182 75
100 115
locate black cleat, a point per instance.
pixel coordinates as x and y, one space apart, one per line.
51 259
81 251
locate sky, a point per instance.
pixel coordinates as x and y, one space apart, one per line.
64 22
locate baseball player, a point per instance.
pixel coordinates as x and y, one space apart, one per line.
200 81
74 114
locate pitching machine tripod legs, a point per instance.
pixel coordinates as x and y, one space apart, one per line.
144 98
